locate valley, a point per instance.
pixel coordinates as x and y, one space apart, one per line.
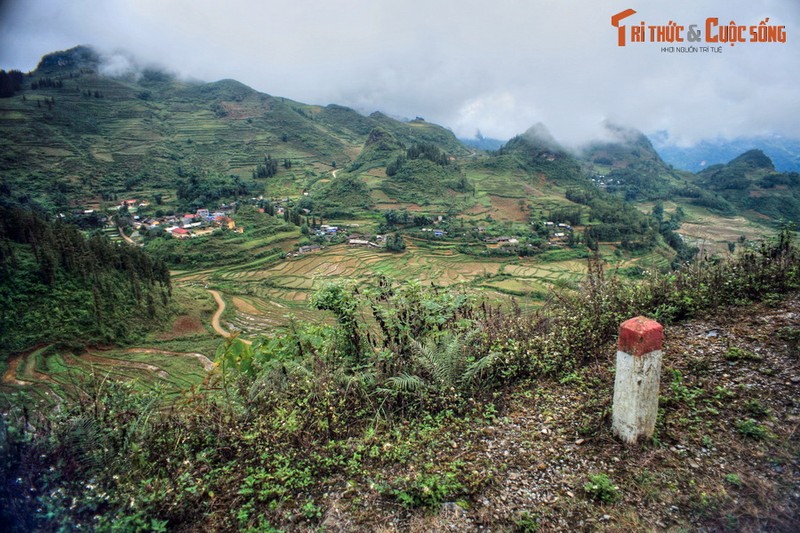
505 226
226 310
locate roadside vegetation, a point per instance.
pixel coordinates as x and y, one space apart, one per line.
382 414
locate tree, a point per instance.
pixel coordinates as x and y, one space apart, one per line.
10 82
395 243
268 169
658 211
391 218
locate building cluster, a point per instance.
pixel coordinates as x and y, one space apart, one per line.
182 226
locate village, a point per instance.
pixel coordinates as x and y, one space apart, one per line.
134 220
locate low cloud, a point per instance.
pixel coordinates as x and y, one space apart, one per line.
498 67
119 65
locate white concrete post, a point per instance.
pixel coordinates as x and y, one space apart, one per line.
636 385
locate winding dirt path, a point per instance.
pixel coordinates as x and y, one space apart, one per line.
10 375
125 237
215 319
207 363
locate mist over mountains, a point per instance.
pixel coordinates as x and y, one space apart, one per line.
784 152
83 125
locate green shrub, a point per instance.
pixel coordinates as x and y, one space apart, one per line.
752 430
425 490
526 522
600 488
733 479
740 354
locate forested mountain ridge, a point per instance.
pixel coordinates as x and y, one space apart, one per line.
74 135
750 182
58 286
747 185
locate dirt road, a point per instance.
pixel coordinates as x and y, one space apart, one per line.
215 319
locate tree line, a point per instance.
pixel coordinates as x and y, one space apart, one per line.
427 151
10 82
56 284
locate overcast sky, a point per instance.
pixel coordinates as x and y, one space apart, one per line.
495 65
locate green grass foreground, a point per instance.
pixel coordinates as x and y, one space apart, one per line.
383 419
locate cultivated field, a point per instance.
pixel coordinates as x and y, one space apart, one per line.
45 374
261 297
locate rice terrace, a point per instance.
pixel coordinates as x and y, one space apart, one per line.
222 310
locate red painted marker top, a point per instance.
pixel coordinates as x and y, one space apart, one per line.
640 335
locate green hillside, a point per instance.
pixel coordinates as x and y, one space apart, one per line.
627 163
73 140
58 286
368 326
751 183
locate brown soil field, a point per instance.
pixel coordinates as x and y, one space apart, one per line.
183 325
508 209
244 306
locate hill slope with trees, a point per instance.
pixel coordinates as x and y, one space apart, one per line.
56 285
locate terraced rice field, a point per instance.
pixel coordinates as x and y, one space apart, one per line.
46 375
263 297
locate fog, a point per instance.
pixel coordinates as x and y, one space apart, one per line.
497 66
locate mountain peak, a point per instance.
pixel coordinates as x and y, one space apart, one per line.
74 58
753 159
538 135
535 142
621 147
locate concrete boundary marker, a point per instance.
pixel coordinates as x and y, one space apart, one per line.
638 378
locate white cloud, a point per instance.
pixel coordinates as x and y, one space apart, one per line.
495 66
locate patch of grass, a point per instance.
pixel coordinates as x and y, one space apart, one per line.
526 522
756 408
790 335
734 480
752 430
425 490
601 488
735 353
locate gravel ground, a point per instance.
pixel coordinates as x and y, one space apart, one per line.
725 457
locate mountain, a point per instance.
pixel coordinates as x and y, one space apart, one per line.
750 182
622 148
784 152
73 135
626 162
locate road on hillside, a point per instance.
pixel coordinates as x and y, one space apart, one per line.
125 237
215 319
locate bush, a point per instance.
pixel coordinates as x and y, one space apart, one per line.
751 429
424 490
600 488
